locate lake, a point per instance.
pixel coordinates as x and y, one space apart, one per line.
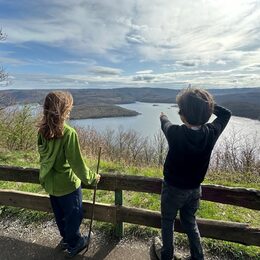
147 123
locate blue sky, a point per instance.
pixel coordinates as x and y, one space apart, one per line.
144 43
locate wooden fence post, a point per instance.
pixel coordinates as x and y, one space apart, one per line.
119 227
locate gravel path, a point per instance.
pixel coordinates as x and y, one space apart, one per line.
38 241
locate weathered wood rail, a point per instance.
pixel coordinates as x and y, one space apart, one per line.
117 214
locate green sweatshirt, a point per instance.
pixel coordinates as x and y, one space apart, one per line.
62 167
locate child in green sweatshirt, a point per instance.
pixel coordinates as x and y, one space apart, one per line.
62 169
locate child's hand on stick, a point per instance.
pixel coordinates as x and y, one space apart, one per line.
98 178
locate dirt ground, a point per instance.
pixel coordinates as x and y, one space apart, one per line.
39 241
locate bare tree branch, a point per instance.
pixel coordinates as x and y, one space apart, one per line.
6 100
3 74
3 36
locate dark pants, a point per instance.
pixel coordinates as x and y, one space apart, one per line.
68 214
187 202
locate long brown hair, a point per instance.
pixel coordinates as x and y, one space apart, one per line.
196 105
56 109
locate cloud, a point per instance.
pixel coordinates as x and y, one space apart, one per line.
188 63
12 61
135 39
161 30
147 78
144 72
203 42
84 62
78 26
105 70
221 62
239 77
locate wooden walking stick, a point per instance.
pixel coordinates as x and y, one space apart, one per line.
93 204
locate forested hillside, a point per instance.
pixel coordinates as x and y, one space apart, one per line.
243 102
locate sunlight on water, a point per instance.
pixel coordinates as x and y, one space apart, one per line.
148 122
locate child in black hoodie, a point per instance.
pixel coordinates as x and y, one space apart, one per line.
186 164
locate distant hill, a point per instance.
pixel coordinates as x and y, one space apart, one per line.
242 104
100 111
99 96
242 101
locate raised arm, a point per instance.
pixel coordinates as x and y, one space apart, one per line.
223 116
165 124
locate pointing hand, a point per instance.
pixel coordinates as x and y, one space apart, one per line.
162 114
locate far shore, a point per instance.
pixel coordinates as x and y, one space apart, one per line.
100 111
243 102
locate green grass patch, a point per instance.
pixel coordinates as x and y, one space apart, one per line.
25 216
17 158
222 249
20 186
218 211
228 250
246 180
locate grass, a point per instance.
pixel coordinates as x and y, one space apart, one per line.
17 158
25 216
246 179
208 210
223 249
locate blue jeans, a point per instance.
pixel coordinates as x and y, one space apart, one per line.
187 202
68 215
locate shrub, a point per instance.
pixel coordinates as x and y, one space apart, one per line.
17 128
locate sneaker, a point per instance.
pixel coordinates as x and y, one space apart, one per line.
157 245
71 252
178 256
62 245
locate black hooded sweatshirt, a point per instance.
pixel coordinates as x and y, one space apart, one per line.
189 152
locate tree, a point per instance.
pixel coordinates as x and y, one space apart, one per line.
3 74
4 100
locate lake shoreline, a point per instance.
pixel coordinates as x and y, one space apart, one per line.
117 110
101 111
243 102
147 123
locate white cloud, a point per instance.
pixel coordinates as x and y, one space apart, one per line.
188 63
12 61
144 78
84 62
240 77
221 62
205 42
135 39
105 70
144 72
162 30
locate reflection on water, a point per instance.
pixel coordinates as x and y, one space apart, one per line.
148 122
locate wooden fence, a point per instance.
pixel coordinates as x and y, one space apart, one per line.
117 214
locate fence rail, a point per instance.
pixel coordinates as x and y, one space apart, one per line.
118 214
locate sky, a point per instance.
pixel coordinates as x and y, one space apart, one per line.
128 43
